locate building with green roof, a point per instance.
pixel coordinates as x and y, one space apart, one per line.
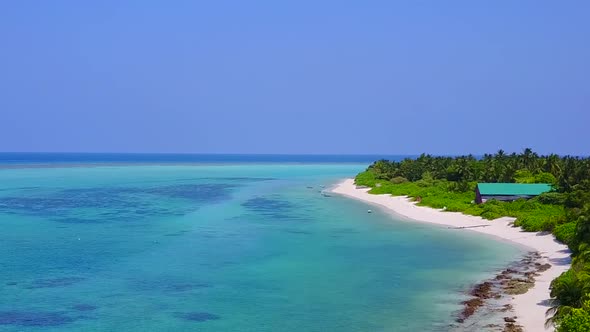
509 191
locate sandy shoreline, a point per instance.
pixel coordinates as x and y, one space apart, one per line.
530 307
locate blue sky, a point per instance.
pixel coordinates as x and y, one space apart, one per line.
391 77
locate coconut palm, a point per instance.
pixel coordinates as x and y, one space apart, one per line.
566 294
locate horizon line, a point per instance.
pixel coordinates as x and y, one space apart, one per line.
282 154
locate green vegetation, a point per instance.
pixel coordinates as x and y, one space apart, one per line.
449 183
578 320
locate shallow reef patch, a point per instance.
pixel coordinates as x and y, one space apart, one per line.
115 204
196 316
84 307
34 318
55 282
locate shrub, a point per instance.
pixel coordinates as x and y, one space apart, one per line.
552 198
565 232
575 319
491 215
455 207
577 198
398 180
529 205
548 225
578 320
544 177
423 183
530 223
366 178
566 289
461 187
524 176
492 210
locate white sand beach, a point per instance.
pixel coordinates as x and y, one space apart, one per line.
530 307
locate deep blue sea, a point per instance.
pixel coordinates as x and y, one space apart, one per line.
210 243
11 159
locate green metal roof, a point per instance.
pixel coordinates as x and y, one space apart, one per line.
513 188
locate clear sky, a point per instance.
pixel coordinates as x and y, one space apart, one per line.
394 77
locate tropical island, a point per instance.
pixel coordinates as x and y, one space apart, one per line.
553 198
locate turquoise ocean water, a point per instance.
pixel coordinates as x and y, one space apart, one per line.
240 247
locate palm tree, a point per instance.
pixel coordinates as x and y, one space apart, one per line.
500 166
566 293
552 166
583 228
528 159
489 169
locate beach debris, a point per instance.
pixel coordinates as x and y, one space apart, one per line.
464 227
470 308
491 325
480 292
506 307
518 286
511 327
516 279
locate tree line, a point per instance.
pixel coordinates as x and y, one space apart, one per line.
563 172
